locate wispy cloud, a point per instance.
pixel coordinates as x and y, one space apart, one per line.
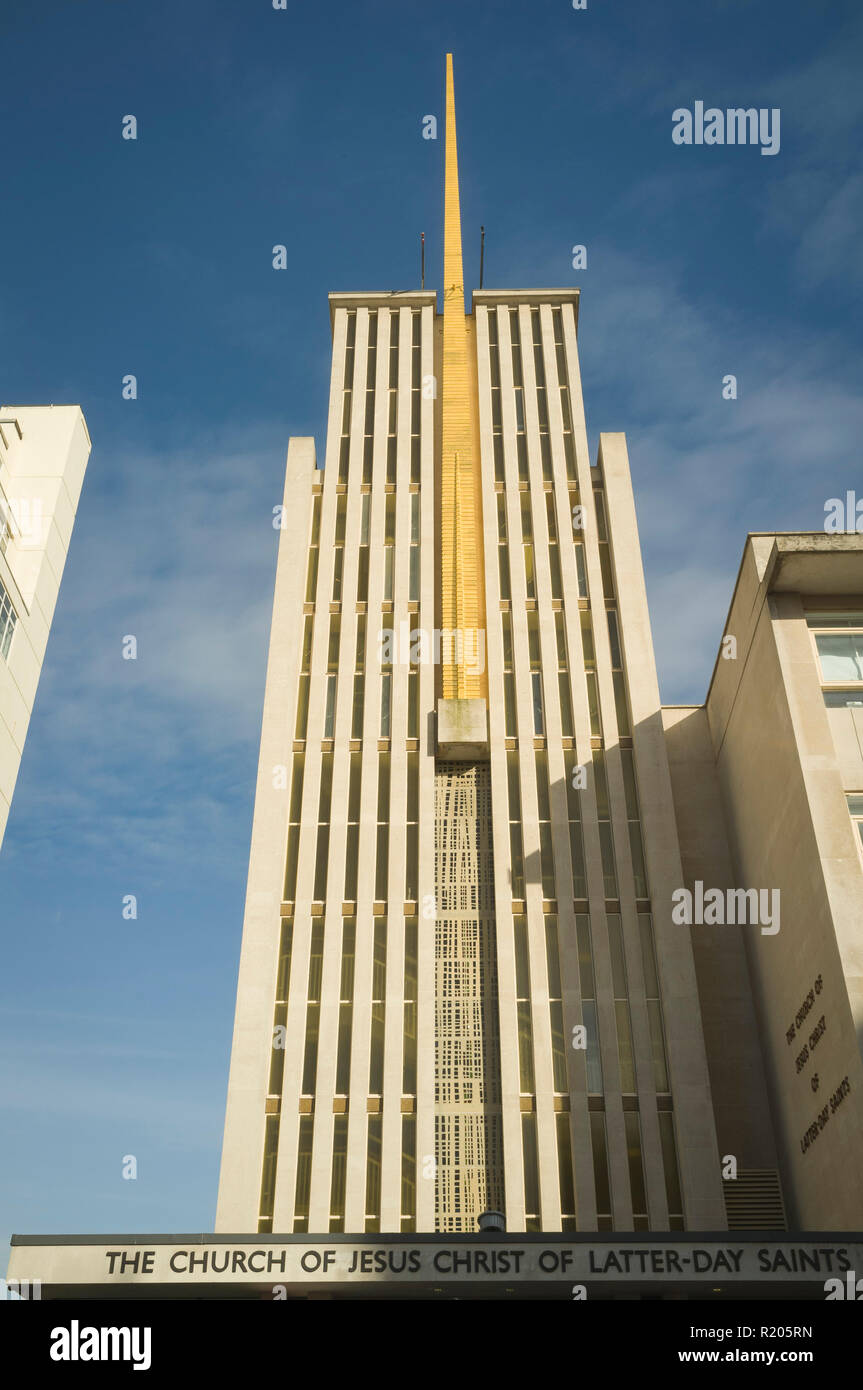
707 470
178 552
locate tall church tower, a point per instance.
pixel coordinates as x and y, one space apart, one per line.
460 987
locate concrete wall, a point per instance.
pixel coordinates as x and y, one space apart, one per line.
694 1124
689 1089
738 1082
243 1146
248 1098
789 829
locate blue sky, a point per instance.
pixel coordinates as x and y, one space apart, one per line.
153 257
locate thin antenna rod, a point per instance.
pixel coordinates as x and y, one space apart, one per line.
423 260
481 253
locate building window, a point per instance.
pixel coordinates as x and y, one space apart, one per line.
518 394
413 700
527 1084
346 1007
416 396
577 532
313 1006
502 548
314 547
531 1172
527 542
855 808
339 552
510 726
553 549
386 703
304 1173
621 1005
369 424
286 942
635 842
294 815
277 1051
332 676
363 555
389 545
565 1173
588 1003
392 399
409 1061
379 988
562 381
541 397
543 800
382 865
412 829
602 1185
353 827
268 1177
603 811
516 854
632 1127
332 649
347 396
535 674
373 1173
496 412
323 827
576 845
414 566
359 679
838 639
580 569
604 547
843 699
409 1171
305 676
339 1174
563 677
621 703
654 1007
672 1174
589 655
277 1068
555 1008
5 527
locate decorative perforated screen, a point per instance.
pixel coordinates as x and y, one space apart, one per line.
468 1131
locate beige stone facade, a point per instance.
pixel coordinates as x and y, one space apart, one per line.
598 1114
764 775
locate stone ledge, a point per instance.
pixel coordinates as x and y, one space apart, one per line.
462 730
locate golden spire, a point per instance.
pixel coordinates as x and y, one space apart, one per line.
462 579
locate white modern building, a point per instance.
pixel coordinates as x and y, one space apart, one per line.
43 455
